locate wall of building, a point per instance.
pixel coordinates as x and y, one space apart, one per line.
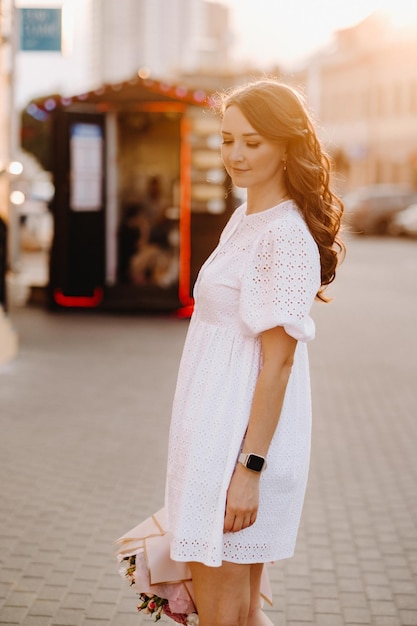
5 104
109 40
166 37
365 96
67 72
8 336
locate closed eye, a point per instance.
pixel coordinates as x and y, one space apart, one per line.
249 144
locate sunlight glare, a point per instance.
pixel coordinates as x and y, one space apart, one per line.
400 12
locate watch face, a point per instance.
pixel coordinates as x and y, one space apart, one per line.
255 463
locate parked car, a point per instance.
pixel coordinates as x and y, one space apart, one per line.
369 210
405 222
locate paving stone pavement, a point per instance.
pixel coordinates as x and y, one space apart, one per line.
84 414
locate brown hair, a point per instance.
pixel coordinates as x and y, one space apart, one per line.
278 113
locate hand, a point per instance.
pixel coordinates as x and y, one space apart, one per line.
242 499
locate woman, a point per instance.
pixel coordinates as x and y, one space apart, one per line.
240 432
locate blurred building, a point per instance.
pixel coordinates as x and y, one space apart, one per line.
163 37
5 103
65 70
364 93
8 338
107 41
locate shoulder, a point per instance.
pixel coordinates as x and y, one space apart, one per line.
290 216
287 228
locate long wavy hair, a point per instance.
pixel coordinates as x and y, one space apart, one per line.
278 113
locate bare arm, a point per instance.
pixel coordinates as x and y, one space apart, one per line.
243 494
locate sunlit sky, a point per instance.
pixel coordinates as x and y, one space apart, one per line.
268 32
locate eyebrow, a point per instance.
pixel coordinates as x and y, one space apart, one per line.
226 132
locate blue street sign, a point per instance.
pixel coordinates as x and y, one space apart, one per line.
40 30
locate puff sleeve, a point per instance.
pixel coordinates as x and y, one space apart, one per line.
280 281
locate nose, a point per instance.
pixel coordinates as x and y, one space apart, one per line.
236 153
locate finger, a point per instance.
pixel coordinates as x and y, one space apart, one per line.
241 522
234 524
229 521
251 519
235 521
244 522
238 525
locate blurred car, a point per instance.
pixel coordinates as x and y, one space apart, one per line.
370 210
405 222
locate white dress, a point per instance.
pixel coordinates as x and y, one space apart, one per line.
265 272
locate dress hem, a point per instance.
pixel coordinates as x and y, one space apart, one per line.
283 555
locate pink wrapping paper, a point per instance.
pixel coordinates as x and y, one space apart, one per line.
162 575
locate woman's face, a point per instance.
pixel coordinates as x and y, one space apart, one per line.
251 160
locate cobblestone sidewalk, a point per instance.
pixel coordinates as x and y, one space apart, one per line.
84 414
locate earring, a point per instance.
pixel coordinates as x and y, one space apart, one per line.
285 166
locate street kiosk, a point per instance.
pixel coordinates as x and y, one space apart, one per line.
141 195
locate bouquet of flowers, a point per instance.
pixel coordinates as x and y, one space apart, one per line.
163 586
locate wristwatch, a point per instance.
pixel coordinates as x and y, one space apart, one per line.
253 462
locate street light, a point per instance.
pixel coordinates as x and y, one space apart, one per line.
17 197
15 168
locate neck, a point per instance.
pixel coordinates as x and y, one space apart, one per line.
261 202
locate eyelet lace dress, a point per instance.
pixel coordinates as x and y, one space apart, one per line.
265 272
